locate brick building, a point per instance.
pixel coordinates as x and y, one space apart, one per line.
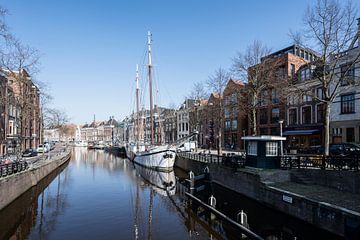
20 112
235 119
282 66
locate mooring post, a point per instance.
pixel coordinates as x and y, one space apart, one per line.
207 173
192 182
212 202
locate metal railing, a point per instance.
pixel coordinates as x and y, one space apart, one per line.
12 167
348 162
229 160
13 164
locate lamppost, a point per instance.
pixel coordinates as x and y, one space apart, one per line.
244 131
281 141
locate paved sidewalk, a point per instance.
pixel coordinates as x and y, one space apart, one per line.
343 199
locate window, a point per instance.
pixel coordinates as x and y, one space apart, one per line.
306 115
227 124
227 112
183 126
233 98
293 99
307 98
350 136
263 131
320 113
348 104
292 116
319 93
252 148
347 74
292 70
264 98
275 115
274 131
337 131
187 127
271 148
234 124
263 116
274 96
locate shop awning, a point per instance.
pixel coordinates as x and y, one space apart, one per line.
300 132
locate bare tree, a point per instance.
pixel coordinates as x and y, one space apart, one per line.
198 92
248 66
19 62
330 26
54 118
217 83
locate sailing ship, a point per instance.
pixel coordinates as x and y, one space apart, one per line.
160 157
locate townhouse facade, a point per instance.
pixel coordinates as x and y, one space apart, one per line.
184 124
345 110
304 119
170 123
282 65
234 117
21 121
105 131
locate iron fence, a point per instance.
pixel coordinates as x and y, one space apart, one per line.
348 162
230 160
12 167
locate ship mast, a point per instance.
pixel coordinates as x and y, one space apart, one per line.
137 106
150 87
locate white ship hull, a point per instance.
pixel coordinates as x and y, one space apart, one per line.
160 158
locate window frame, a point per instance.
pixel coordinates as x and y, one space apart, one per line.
350 104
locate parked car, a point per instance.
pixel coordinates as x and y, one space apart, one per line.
29 152
344 149
42 149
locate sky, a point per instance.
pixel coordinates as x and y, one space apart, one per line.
89 48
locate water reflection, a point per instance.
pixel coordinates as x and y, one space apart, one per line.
22 215
100 196
163 183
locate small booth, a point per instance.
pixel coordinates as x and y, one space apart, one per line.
263 151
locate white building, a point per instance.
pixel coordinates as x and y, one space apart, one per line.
183 119
345 110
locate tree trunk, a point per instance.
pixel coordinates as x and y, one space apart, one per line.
219 141
254 114
327 129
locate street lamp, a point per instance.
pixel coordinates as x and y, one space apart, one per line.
281 133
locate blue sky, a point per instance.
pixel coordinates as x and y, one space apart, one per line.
89 48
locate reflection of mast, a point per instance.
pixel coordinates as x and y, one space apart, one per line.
150 213
136 214
41 214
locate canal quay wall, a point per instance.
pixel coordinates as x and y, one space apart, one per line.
13 186
259 185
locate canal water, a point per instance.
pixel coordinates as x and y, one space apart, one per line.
97 195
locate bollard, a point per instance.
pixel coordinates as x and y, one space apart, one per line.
192 182
212 202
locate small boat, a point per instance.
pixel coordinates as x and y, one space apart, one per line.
99 145
91 145
81 144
